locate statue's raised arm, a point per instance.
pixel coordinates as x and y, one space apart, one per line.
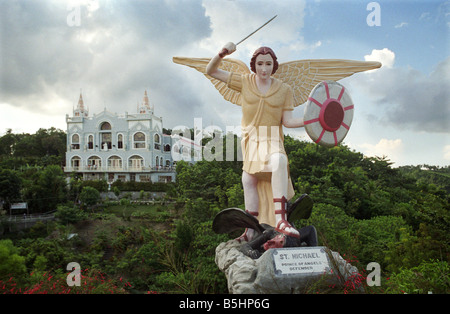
212 69
225 66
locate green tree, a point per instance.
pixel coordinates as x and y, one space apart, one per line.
69 215
10 185
372 238
7 142
11 263
89 196
235 195
52 141
45 189
429 276
45 147
26 146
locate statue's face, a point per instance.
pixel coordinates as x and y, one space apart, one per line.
264 66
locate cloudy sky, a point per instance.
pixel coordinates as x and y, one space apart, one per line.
115 50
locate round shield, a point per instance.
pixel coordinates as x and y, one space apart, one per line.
328 113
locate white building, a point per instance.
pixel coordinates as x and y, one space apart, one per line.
131 147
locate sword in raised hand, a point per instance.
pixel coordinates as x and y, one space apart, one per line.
224 51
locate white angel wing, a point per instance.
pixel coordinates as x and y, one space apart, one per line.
228 64
303 75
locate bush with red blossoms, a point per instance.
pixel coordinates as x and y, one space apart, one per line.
92 282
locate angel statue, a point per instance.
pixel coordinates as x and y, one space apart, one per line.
268 97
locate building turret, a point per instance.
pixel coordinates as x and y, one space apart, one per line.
81 111
146 107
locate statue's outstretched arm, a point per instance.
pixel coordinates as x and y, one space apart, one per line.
212 69
227 65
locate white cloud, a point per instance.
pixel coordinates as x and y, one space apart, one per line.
21 120
120 49
385 147
402 24
385 56
405 97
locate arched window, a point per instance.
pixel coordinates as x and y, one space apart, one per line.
94 163
75 141
120 141
105 137
135 163
115 163
139 140
105 126
91 142
75 162
157 141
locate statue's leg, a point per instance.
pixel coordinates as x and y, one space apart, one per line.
251 199
278 165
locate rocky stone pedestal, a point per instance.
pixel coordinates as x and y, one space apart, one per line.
284 270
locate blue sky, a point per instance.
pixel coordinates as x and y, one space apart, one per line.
122 48
417 34
417 30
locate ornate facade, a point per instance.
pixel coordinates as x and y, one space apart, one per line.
107 146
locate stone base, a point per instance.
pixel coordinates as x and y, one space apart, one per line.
268 274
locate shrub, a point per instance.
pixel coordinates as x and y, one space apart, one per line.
430 276
91 282
69 215
11 263
89 196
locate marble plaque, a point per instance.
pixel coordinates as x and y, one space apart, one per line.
300 260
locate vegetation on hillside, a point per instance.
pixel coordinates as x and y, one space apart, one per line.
364 208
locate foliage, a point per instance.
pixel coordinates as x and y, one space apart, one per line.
99 185
69 214
430 276
89 196
214 182
45 147
10 185
363 208
10 260
204 244
411 248
44 188
144 186
429 175
91 282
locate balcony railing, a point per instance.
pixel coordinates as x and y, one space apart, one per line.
118 169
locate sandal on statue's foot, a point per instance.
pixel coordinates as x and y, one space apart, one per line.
243 237
248 234
283 226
